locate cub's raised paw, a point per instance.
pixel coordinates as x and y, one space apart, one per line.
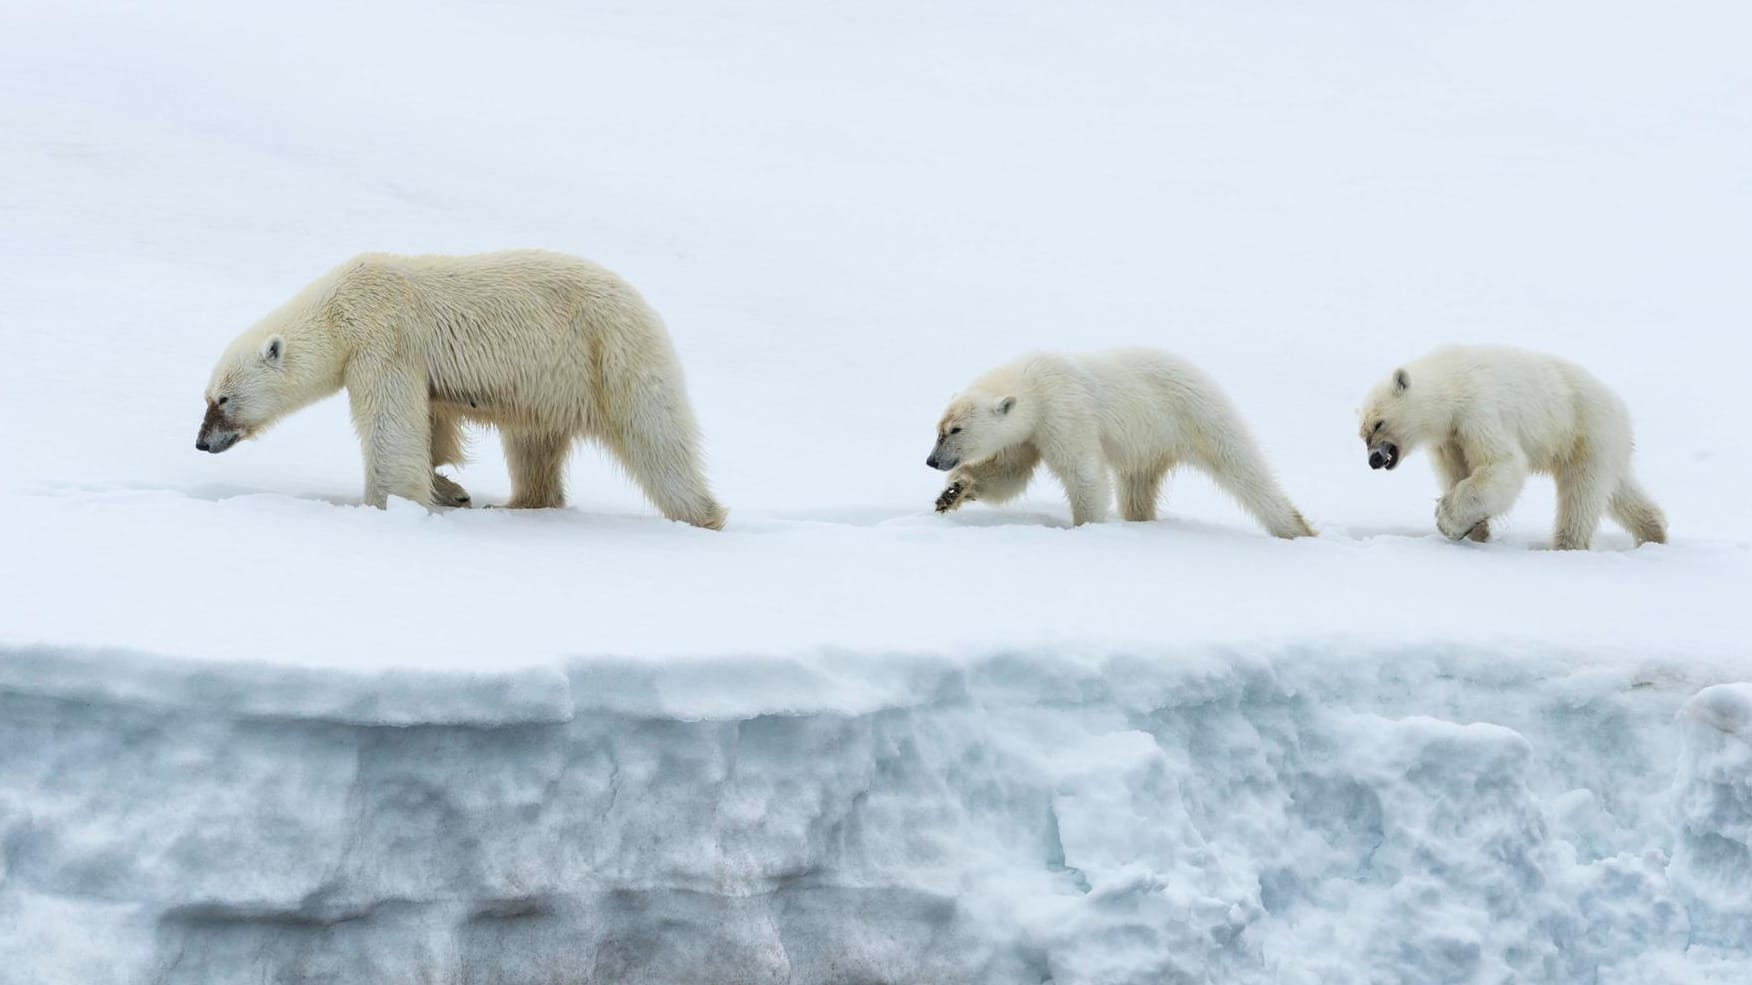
952 497
1453 524
445 492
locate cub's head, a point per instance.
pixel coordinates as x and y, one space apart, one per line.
1390 422
974 428
250 389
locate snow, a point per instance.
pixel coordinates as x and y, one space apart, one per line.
1026 816
1712 792
254 731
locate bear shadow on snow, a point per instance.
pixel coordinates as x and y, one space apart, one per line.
1010 518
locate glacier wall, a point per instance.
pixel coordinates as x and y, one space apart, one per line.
1295 815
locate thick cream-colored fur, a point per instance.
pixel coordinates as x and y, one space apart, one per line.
1491 415
1129 414
545 347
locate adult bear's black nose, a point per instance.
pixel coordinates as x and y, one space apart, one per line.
1377 460
931 461
201 444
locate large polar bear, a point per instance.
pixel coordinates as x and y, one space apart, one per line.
1136 412
545 347
1491 415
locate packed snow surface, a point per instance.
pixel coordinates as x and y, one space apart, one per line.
253 731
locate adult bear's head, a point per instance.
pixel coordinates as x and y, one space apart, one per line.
246 393
264 375
293 357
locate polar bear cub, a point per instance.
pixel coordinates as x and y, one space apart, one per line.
1492 414
545 347
1134 413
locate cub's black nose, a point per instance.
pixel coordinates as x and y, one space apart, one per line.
931 461
201 444
1377 460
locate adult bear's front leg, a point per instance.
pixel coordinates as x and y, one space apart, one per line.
391 413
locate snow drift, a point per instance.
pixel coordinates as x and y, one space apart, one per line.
1279 816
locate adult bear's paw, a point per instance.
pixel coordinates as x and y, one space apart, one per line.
445 492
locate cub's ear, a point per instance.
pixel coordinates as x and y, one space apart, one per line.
1003 406
1401 380
273 350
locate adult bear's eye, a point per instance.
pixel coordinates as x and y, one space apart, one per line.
222 401
1377 426
954 430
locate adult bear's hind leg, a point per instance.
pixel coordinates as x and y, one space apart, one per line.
447 492
538 463
656 439
447 449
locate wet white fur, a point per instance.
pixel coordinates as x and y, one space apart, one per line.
1134 413
1492 414
547 348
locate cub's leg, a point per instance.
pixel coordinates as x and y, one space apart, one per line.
1139 491
1637 513
1087 485
1488 491
1582 495
1240 470
1451 467
996 480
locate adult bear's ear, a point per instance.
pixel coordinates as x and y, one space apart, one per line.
1401 380
272 350
1003 406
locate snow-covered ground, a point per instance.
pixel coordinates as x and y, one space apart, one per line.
250 730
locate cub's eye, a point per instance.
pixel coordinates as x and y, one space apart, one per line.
954 430
221 401
1377 427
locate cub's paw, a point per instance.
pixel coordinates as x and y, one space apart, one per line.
445 492
1455 525
953 496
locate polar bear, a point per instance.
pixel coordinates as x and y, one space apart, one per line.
1491 415
1136 412
545 347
